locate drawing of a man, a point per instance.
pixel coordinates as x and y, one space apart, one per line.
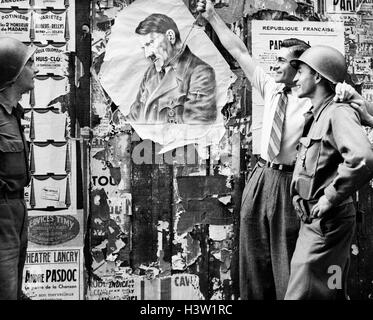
178 87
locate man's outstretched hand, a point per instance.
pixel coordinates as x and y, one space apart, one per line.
207 7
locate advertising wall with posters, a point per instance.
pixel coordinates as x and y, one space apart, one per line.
54 264
266 41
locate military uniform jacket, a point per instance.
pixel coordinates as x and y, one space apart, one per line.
335 158
186 94
14 168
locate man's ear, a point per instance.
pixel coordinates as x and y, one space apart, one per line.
170 34
318 77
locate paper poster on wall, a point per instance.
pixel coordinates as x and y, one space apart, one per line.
367 91
123 289
342 6
21 4
54 274
16 24
46 89
155 90
363 65
50 26
176 287
51 59
101 175
55 4
49 192
49 158
266 42
54 229
47 125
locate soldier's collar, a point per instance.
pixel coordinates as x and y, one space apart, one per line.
317 110
8 106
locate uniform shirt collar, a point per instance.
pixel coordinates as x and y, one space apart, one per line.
317 110
7 105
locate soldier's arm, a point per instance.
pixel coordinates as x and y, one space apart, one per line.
357 153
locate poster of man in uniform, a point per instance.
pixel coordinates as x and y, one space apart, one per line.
266 42
165 75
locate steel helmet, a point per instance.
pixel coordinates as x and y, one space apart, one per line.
327 61
13 57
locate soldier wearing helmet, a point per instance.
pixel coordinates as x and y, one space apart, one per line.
334 160
17 73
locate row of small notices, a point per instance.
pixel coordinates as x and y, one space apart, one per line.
36 26
48 92
45 192
37 4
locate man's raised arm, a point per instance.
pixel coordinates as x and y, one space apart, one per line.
231 42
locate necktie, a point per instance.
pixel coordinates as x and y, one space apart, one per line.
308 120
278 124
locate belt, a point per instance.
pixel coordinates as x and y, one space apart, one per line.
277 166
12 194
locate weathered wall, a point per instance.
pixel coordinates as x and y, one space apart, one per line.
164 229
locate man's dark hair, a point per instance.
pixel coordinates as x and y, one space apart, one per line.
296 46
159 23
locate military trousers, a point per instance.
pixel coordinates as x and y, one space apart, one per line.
320 263
13 246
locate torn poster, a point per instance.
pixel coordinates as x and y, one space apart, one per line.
185 84
267 37
21 4
342 6
45 92
121 289
55 4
